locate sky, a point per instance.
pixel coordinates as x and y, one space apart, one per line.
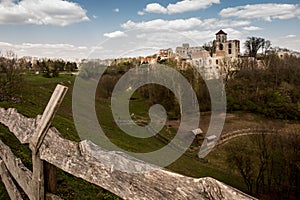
80 29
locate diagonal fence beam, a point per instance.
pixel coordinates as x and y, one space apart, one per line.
39 169
11 188
47 117
18 171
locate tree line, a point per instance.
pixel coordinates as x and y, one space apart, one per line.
13 69
51 68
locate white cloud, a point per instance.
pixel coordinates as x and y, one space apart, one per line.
5 45
155 8
234 33
184 24
180 6
116 10
200 37
142 35
267 12
178 24
115 34
140 13
290 36
41 12
287 41
95 16
252 28
65 51
214 23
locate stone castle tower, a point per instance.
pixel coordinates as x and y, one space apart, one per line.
225 48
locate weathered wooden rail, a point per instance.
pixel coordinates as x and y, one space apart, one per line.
244 132
93 164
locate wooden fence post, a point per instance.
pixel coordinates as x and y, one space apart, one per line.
37 178
37 140
50 178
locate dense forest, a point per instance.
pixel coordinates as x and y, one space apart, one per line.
272 90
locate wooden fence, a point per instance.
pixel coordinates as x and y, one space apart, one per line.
245 132
91 163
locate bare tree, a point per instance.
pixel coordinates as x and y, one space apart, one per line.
266 45
229 68
208 47
262 143
238 156
253 44
11 77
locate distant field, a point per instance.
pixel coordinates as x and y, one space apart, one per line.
36 93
